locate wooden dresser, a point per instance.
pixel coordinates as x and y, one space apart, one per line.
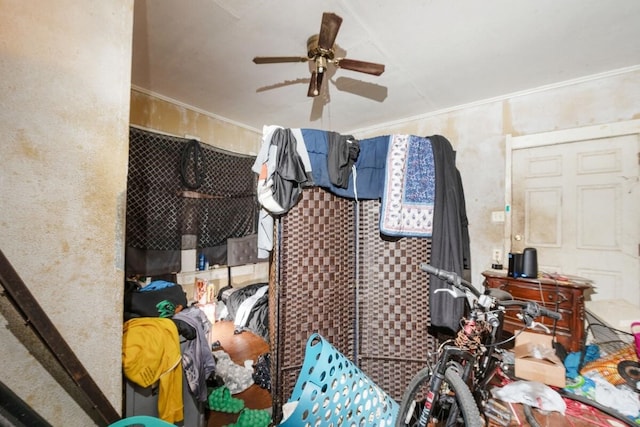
564 296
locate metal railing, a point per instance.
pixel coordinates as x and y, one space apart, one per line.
98 406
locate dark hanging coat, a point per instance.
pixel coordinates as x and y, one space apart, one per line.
450 238
290 174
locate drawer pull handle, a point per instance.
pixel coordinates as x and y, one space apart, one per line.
561 297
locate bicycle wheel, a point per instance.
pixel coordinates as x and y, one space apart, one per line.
453 404
528 415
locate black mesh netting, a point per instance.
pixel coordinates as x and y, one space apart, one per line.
178 187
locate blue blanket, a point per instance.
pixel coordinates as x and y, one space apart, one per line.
409 189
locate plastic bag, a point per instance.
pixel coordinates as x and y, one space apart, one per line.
531 393
236 377
622 400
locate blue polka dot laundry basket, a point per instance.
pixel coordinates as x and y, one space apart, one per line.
331 391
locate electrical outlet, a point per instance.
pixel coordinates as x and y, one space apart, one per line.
497 216
497 256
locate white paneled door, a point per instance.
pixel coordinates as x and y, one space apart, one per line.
575 197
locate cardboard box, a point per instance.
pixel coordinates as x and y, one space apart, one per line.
536 360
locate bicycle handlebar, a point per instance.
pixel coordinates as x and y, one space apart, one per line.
530 308
533 309
552 314
451 278
441 274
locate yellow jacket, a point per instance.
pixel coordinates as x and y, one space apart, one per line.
150 353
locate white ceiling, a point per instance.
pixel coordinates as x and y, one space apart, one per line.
438 54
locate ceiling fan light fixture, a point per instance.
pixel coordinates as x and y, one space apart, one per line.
320 53
321 64
314 90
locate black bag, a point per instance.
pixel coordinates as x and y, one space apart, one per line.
262 372
156 303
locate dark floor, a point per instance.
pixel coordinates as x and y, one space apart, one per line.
240 347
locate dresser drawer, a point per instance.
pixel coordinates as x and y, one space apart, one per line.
566 298
545 295
564 323
542 295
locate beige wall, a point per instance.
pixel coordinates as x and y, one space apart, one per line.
65 68
477 133
161 114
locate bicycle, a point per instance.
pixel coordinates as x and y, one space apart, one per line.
454 385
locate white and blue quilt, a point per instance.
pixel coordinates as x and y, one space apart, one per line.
407 201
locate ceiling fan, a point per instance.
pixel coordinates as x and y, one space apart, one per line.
320 51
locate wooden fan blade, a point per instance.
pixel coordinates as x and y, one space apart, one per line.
360 66
278 59
315 84
328 30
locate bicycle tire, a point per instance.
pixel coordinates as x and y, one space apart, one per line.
453 404
604 409
528 415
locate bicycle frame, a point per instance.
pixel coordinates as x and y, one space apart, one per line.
475 368
468 362
443 362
